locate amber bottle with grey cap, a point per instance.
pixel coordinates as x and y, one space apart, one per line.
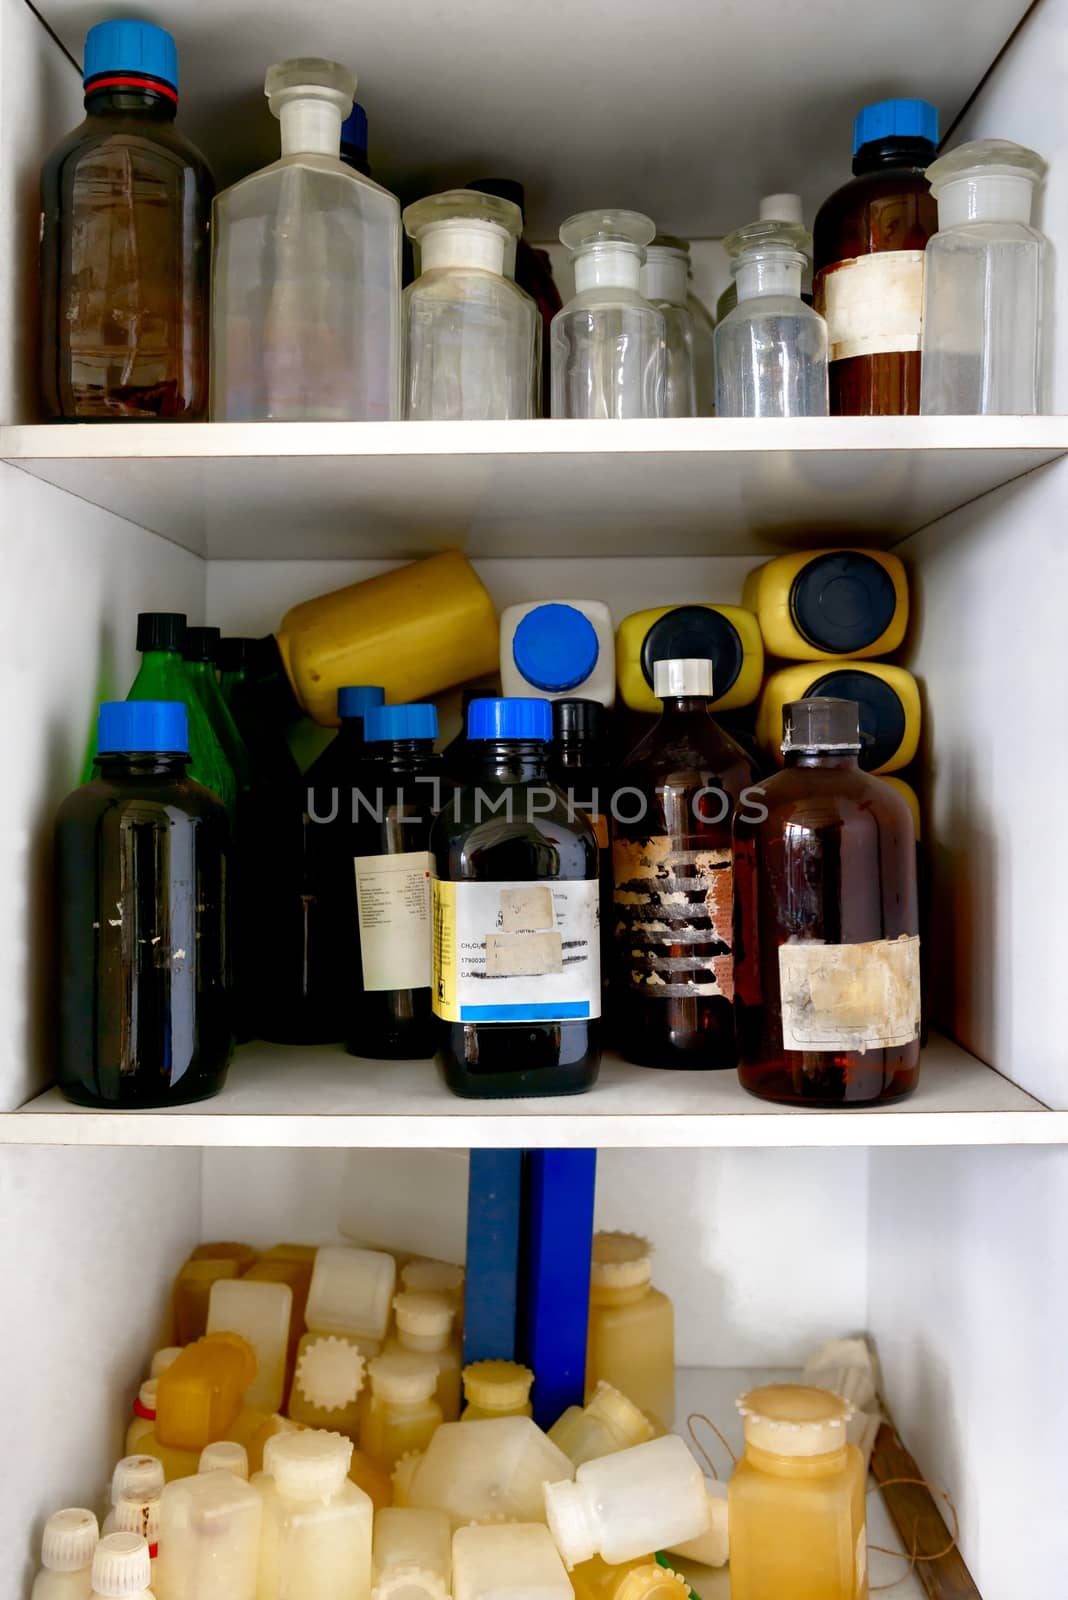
826 946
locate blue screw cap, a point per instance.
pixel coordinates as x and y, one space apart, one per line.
555 647
142 725
400 722
354 128
356 699
514 718
125 46
896 119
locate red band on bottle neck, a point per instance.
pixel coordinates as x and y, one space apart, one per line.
129 80
153 1551
143 1411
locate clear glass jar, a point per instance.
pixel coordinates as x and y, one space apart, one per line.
608 342
664 284
472 337
771 350
306 271
983 336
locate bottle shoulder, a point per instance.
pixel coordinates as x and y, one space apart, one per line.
256 191
769 307
459 287
603 298
979 238
159 141
803 798
139 796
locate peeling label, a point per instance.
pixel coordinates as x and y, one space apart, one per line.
673 910
850 996
873 304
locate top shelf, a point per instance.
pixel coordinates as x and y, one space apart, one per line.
401 490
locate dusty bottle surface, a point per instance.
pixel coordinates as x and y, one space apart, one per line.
673 978
125 203
827 967
869 241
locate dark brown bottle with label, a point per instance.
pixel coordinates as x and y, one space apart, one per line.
868 243
827 948
676 793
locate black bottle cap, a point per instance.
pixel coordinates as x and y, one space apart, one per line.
695 633
503 188
882 716
579 719
821 724
233 654
842 601
201 644
161 630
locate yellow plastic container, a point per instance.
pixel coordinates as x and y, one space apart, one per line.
295 1270
839 603
329 1379
416 630
192 1292
226 1250
496 1389
642 1579
728 636
631 1343
403 1414
888 697
796 1499
199 1397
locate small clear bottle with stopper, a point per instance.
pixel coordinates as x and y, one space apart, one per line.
773 208
305 318
608 342
771 350
472 337
984 343
664 283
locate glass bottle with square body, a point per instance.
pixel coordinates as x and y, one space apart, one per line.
608 342
665 284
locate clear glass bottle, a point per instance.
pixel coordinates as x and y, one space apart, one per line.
773 208
704 351
125 207
472 337
532 269
771 350
984 343
306 271
608 342
664 284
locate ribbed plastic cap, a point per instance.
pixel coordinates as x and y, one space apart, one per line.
791 1419
620 1261
515 718
404 1378
895 119
161 630
356 699
497 1385
555 647
843 601
69 1539
201 644
138 49
354 129
147 1395
403 1476
503 188
692 633
121 1566
620 1414
311 1465
820 724
131 1515
427 1315
383 723
432 1277
142 725
330 1373
234 653
579 719
652 1582
136 1478
224 1455
690 676
163 1359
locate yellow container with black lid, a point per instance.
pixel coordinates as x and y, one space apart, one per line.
888 697
819 603
728 636
911 799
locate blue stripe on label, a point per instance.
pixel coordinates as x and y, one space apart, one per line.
553 1011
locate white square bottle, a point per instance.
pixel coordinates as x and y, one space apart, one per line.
316 1538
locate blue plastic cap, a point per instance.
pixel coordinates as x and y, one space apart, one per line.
896 119
139 48
555 648
400 722
142 725
354 128
356 699
510 719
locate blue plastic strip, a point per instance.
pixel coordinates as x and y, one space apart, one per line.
551 1011
560 1190
491 1291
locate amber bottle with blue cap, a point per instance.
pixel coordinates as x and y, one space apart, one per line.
516 984
142 854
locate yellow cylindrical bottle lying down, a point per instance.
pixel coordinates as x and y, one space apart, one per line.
818 603
888 697
728 636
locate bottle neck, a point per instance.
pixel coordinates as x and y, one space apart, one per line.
881 155
131 101
796 1466
510 760
310 126
574 754
608 266
767 275
843 760
997 198
684 706
463 242
432 1342
142 764
401 753
665 279
616 1294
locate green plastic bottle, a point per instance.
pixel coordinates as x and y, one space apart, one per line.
201 647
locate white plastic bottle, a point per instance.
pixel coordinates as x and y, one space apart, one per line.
984 339
136 1488
553 648
209 1538
472 336
67 1545
664 283
328 1384
121 1568
424 1326
508 1561
351 1292
401 1413
259 1312
437 1277
499 1467
412 1554
607 342
624 1505
305 314
771 350
225 1455
316 1537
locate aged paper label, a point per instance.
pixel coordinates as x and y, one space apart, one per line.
673 911
850 996
872 304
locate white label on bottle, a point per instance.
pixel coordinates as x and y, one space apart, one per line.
517 952
872 304
850 996
393 905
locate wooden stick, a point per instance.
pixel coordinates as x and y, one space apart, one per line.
919 1522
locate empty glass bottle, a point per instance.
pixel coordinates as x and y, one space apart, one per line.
608 342
306 271
704 351
125 206
773 208
532 269
771 350
664 284
472 338
983 334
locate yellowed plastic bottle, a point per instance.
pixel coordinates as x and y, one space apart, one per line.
144 1419
609 1423
226 1250
192 1294
643 1579
416 630
199 1397
403 1414
412 1554
316 1531
260 1312
796 1499
888 697
423 1276
424 1326
812 604
497 1389
296 1271
728 636
631 1343
329 1379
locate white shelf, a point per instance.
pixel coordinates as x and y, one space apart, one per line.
701 486
320 1097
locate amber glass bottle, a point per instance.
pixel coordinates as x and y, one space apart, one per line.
869 240
827 948
125 209
675 796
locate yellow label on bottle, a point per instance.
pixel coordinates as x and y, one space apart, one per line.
443 950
